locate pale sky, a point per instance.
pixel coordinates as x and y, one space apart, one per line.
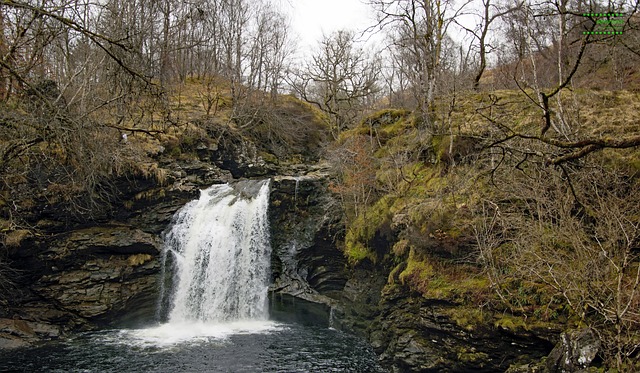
311 18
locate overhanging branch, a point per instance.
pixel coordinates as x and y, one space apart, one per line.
579 148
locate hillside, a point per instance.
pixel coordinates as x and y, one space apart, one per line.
491 217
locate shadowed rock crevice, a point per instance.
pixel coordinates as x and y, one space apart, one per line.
305 225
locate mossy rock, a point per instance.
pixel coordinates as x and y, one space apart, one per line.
268 157
468 318
454 149
357 252
360 235
511 323
383 125
471 356
385 117
417 274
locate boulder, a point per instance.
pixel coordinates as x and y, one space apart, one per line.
575 351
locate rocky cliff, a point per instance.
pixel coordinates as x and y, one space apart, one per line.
88 276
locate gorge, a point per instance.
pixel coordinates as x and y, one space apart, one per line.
409 274
111 276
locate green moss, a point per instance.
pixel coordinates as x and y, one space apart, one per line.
399 139
440 145
363 229
471 355
174 151
401 248
417 273
519 323
467 318
394 275
464 290
385 118
510 322
357 252
268 157
383 125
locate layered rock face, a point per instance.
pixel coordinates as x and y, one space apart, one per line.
101 273
81 279
74 277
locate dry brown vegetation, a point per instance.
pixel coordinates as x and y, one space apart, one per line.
485 219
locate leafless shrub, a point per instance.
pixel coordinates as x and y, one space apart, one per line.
576 234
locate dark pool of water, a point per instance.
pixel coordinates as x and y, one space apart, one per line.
277 348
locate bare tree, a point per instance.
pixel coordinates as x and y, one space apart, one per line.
531 43
55 143
418 30
339 79
490 12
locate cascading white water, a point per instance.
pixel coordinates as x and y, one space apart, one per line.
220 246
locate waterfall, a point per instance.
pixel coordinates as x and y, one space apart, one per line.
295 193
219 246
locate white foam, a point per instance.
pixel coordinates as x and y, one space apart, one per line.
172 334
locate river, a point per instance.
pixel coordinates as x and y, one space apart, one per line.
252 347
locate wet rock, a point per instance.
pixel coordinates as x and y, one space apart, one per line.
154 214
16 333
414 334
287 308
8 341
575 351
304 220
